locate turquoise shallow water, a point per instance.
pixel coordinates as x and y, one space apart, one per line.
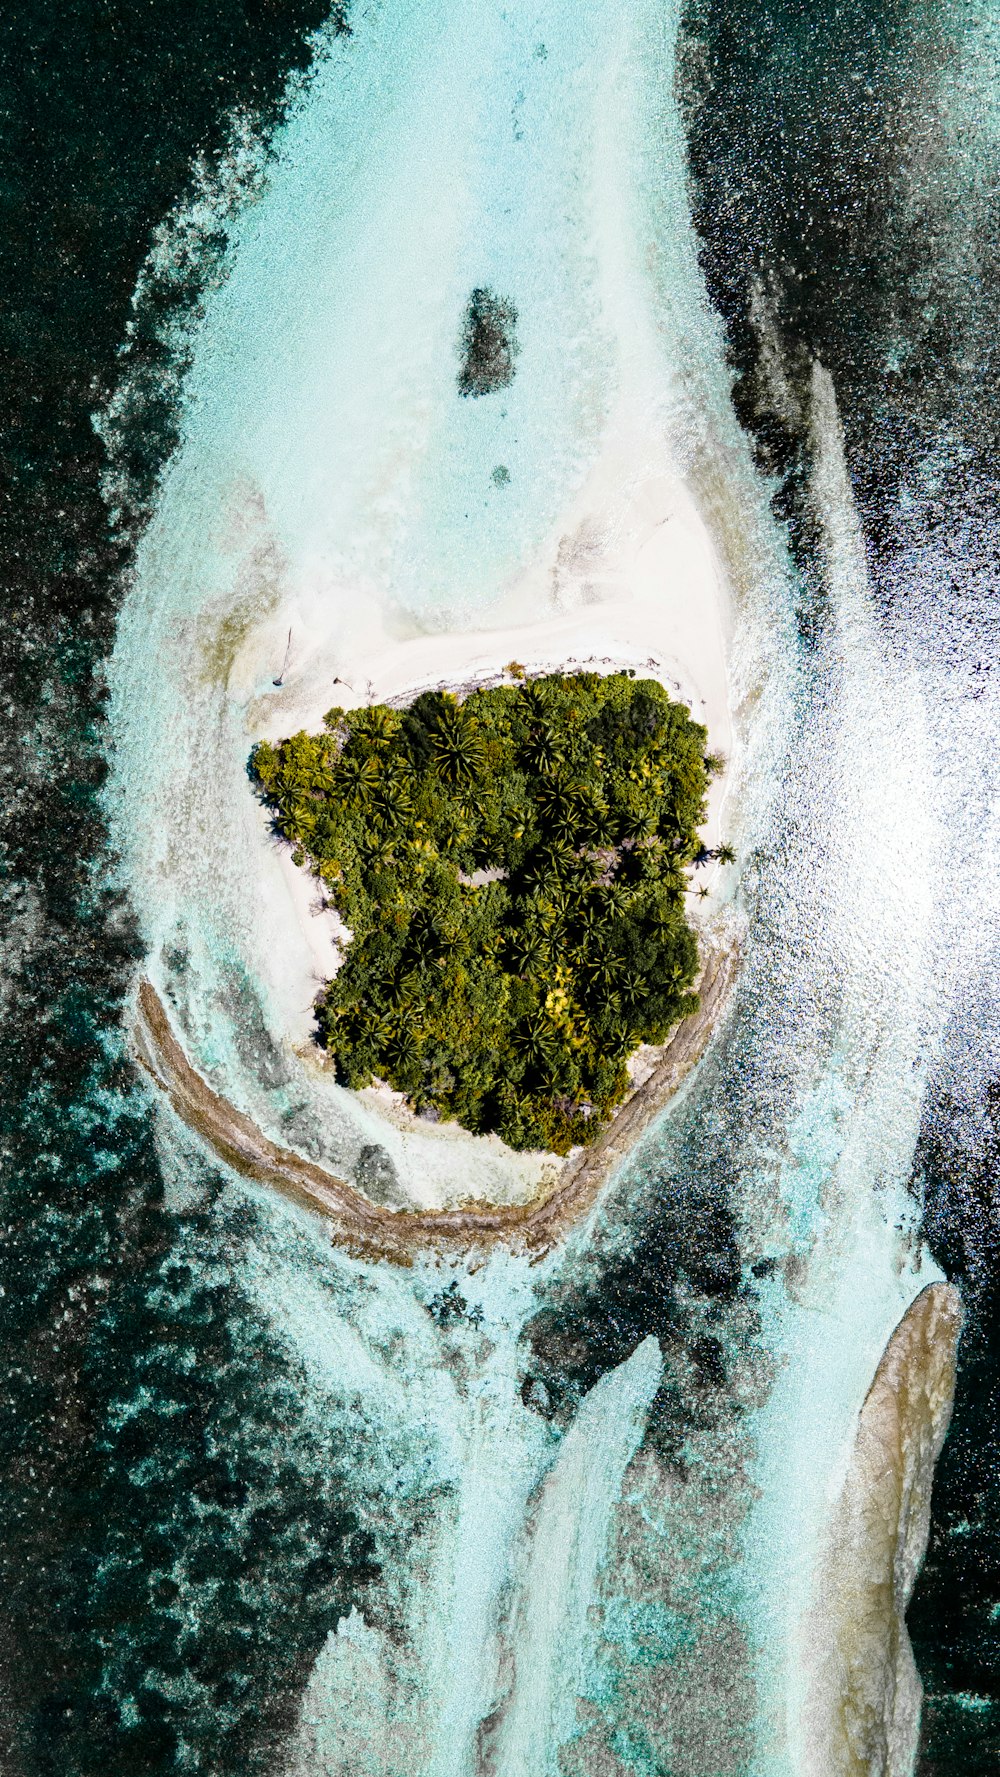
683 1479
301 1515
330 474
429 158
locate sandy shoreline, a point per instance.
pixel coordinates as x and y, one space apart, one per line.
370 1230
625 574
630 579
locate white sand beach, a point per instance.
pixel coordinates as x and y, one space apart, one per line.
628 577
629 580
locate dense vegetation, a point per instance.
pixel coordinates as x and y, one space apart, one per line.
511 869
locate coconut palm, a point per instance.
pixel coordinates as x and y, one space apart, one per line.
402 1053
551 799
303 819
393 806
620 1038
601 968
529 950
634 988
532 1041
376 727
356 779
588 922
558 907
457 746
558 859
378 849
546 747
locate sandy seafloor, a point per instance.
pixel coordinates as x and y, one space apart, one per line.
601 1536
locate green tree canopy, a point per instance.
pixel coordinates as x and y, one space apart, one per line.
511 868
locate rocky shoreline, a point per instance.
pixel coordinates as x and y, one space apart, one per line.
369 1229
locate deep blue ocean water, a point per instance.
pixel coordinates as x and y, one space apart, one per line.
199 1481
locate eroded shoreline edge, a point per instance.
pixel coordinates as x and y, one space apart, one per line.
367 1229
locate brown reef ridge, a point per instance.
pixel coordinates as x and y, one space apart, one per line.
863 1707
369 1229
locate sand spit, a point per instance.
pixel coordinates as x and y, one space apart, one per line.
372 1231
863 1711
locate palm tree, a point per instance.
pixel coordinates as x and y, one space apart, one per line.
601 967
532 1040
621 1039
558 907
588 921
378 850
611 1008
356 779
376 727
529 950
302 820
545 749
394 804
634 988
535 696
639 816
550 796
558 859
458 748
402 1052
615 899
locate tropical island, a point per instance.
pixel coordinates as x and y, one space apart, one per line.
511 870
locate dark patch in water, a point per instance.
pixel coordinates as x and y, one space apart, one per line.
489 344
678 1280
375 1172
665 1262
254 1044
449 1307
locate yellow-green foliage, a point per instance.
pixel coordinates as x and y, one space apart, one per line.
511 1004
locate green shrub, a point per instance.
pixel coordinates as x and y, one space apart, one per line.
511 868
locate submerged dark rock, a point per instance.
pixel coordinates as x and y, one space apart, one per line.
376 1174
489 344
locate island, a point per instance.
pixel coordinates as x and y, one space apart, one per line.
510 867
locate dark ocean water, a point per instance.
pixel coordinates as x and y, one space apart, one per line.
847 201
177 1534
173 1542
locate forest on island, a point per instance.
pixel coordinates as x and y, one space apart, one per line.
511 867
